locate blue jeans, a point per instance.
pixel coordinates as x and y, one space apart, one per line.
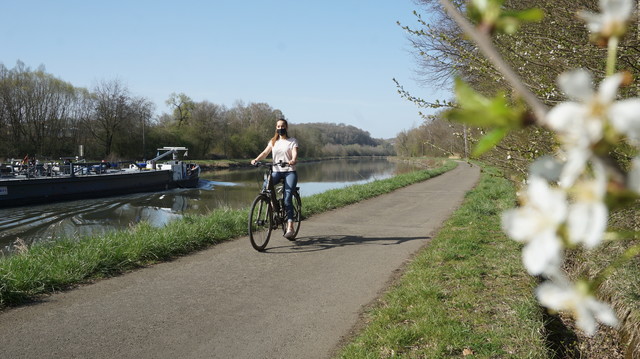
290 183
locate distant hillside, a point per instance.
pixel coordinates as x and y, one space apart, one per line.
338 134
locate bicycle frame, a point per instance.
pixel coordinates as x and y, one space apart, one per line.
268 189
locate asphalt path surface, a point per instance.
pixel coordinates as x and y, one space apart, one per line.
297 299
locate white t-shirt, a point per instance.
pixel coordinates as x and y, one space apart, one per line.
282 151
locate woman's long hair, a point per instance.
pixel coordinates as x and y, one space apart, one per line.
277 136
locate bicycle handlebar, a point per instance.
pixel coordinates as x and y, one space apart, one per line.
265 164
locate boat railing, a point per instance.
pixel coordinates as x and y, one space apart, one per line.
65 168
29 167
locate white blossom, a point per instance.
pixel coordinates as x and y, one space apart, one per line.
547 167
581 123
536 223
482 5
542 255
625 118
565 296
612 20
634 175
587 217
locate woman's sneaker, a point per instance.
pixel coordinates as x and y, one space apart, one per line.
290 235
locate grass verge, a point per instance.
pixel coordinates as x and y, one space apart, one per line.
621 289
465 294
49 267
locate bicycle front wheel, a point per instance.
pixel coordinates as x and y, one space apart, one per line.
260 223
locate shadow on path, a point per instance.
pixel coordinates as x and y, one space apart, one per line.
321 243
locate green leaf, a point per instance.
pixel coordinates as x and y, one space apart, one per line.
489 141
490 16
529 15
478 110
510 21
466 95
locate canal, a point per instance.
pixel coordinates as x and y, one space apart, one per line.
233 189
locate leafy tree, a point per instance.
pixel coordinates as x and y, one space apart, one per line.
183 107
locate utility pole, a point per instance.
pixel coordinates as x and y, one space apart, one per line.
466 143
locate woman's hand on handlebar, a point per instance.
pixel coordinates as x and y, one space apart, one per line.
281 163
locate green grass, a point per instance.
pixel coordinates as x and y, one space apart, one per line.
466 292
49 267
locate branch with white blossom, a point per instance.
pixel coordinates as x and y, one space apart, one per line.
486 46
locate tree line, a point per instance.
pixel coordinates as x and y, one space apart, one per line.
44 116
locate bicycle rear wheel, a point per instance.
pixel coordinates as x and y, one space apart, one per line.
260 223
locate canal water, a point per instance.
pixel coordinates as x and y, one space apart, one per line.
232 189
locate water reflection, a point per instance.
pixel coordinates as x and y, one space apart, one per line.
217 189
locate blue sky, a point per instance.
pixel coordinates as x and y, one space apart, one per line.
317 61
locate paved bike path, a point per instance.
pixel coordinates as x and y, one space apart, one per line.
296 300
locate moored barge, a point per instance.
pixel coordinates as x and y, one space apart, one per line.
35 183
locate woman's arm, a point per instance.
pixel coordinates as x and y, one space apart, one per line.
294 156
263 154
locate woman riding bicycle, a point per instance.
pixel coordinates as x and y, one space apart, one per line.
285 149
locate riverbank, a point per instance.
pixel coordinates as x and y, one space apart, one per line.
46 268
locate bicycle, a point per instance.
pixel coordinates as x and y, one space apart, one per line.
267 210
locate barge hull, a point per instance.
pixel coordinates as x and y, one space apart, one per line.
20 192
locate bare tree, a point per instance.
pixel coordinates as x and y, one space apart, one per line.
132 143
111 112
34 111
